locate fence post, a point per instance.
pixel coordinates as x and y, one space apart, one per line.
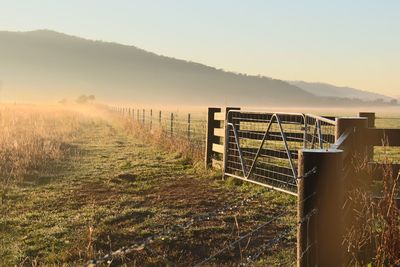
138 116
370 124
227 145
356 152
359 126
133 114
159 118
370 117
210 137
151 119
188 127
172 124
143 119
319 208
344 123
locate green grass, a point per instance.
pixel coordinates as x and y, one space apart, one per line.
125 190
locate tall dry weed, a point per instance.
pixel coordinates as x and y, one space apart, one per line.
374 234
192 151
31 138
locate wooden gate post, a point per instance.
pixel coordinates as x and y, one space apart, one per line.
370 117
357 148
358 125
210 137
228 138
319 209
370 124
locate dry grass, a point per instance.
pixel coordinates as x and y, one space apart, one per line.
192 151
32 139
373 237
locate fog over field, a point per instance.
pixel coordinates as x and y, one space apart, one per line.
46 66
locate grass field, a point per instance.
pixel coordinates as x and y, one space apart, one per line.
78 185
110 190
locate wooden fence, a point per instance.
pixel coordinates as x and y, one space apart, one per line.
186 126
311 157
324 174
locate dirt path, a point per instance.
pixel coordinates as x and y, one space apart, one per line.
115 191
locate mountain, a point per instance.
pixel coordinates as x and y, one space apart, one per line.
328 90
45 65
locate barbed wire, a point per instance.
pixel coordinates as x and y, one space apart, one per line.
263 248
140 245
387 118
237 241
308 216
308 174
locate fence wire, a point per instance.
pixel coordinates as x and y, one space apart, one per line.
263 147
188 127
170 231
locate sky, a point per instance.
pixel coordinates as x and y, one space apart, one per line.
346 43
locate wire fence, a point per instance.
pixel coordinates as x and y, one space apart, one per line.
197 219
190 127
387 122
263 147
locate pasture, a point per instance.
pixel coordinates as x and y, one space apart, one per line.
82 185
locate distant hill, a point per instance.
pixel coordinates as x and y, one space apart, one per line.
47 66
328 90
44 65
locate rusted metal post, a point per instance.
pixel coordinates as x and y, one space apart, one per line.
210 137
172 124
188 127
151 119
319 208
159 118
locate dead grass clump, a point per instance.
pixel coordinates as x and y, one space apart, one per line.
31 138
191 150
374 236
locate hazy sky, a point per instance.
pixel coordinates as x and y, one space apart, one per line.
354 43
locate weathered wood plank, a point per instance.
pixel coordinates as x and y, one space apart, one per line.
379 137
219 116
219 132
377 170
218 148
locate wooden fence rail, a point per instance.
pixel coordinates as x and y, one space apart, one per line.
321 194
263 148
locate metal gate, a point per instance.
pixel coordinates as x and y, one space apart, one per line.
263 147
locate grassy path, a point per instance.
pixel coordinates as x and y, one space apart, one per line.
114 190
